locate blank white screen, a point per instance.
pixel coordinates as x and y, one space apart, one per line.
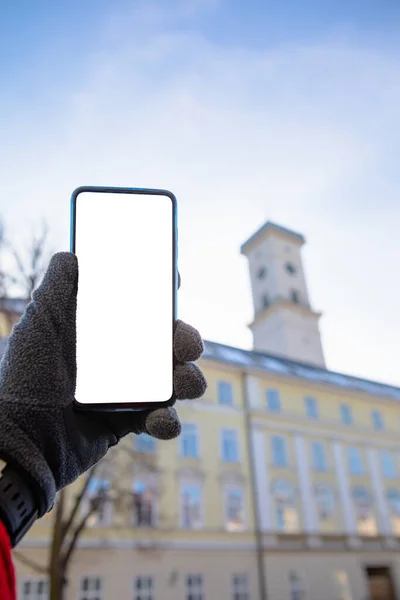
124 246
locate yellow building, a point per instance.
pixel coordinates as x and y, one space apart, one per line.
284 484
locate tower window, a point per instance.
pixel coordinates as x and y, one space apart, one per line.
265 301
295 296
261 273
290 268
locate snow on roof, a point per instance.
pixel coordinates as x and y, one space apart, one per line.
284 366
3 342
16 305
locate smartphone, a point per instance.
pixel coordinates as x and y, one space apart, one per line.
125 240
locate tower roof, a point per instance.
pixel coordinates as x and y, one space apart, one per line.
270 227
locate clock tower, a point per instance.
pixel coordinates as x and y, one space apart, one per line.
284 322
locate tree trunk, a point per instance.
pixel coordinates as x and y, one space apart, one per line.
57 577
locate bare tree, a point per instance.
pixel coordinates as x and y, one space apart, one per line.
78 507
21 270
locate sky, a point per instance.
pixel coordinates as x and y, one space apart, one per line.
247 111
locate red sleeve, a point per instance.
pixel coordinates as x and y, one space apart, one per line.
7 574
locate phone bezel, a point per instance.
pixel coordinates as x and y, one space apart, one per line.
132 406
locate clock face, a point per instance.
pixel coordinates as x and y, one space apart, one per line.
261 273
290 268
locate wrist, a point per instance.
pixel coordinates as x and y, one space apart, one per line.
18 505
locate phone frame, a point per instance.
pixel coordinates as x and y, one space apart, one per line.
133 406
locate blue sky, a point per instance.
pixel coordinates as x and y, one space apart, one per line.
246 110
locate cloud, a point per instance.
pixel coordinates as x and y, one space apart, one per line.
303 134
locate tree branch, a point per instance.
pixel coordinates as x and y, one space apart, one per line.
67 526
30 563
65 558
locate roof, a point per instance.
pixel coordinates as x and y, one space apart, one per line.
269 226
3 342
283 366
16 305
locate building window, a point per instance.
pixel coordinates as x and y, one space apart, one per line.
143 505
393 500
234 509
311 407
35 589
283 493
290 268
91 588
346 414
191 507
97 503
230 445
342 585
325 501
297 586
261 273
145 443
225 395
189 440
387 465
279 451
143 588
240 587
319 456
355 461
377 420
273 400
364 514
194 587
295 296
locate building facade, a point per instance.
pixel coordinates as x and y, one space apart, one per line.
284 484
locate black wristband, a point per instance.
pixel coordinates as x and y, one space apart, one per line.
18 506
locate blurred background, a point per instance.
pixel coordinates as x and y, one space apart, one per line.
280 119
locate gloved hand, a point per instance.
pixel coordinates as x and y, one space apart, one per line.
41 433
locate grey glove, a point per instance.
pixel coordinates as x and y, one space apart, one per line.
41 433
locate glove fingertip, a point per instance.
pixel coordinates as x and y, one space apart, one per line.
163 424
188 343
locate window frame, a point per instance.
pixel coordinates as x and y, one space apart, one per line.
310 402
377 420
277 464
150 483
242 590
91 594
300 591
323 468
348 408
194 594
107 507
330 513
191 484
148 593
285 500
35 580
147 437
273 393
225 431
196 437
221 384
391 473
361 471
228 489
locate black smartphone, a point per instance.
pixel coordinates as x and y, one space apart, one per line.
125 240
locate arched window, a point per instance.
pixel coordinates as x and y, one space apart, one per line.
325 501
364 513
284 495
393 500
